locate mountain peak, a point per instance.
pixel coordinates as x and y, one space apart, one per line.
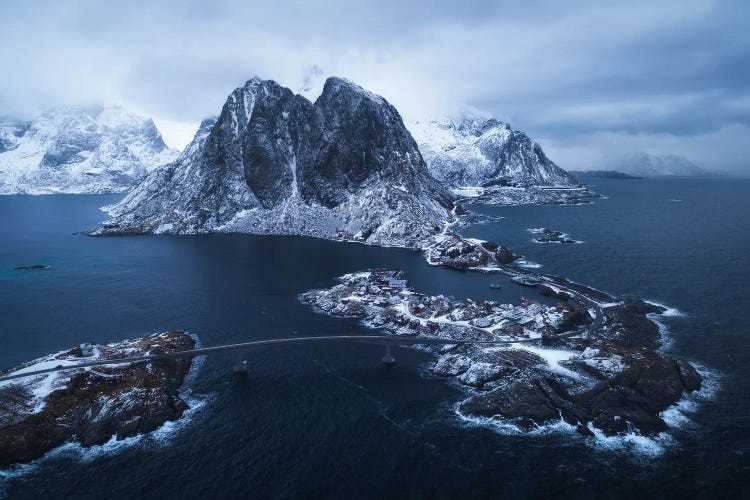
337 86
254 81
343 167
645 164
481 151
207 123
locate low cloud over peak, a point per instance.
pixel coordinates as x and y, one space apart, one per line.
581 77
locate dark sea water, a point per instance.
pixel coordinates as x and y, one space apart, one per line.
330 420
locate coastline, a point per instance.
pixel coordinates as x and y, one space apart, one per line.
624 327
594 299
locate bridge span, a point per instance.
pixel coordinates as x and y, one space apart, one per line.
388 340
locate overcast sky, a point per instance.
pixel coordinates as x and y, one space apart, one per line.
588 80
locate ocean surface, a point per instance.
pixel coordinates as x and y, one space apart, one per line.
330 420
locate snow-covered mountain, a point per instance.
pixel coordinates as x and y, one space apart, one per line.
79 150
486 152
344 167
650 165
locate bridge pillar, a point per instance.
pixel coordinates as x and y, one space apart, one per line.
388 359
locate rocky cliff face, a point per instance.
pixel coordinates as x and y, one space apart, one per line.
344 167
79 150
485 152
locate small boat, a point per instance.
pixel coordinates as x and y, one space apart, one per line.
240 367
495 286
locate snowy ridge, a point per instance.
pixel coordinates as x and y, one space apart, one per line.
79 150
473 153
344 168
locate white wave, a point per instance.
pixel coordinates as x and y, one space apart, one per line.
526 264
504 426
679 415
631 442
665 337
671 312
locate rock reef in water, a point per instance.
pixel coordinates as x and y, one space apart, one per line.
90 405
545 235
590 360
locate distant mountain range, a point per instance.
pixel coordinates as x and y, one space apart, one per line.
650 165
79 150
603 174
343 167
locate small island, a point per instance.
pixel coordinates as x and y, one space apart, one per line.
545 235
91 405
593 364
591 360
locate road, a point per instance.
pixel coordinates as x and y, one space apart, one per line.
388 339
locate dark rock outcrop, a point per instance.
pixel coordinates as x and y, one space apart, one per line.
545 235
91 405
504 255
633 398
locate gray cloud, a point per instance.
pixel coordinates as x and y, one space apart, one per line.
583 77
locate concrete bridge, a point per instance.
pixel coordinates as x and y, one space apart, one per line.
388 340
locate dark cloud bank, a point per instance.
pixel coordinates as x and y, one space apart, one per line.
589 80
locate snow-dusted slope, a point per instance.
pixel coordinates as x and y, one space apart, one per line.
344 167
485 152
79 150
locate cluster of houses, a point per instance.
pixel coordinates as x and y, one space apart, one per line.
388 290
